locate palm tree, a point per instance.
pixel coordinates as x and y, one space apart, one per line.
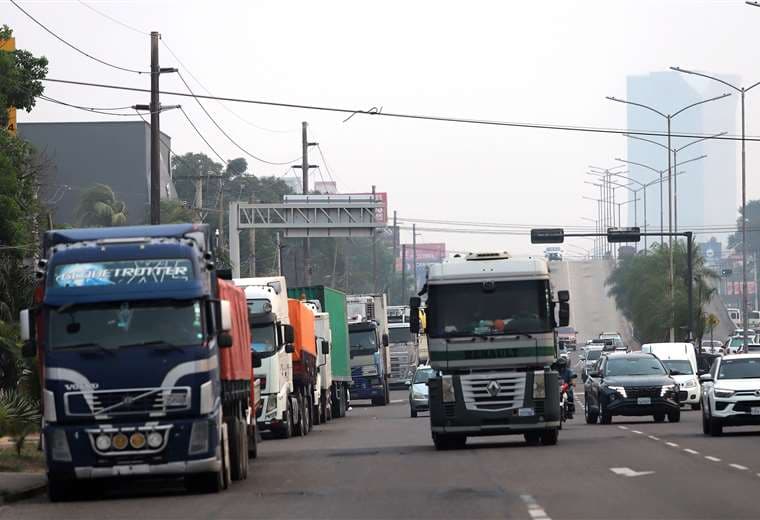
98 207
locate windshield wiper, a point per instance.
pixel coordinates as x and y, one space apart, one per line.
107 350
159 343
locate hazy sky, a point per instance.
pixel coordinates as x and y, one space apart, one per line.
549 61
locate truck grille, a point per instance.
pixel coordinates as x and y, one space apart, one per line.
508 391
109 403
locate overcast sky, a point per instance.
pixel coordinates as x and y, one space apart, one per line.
548 61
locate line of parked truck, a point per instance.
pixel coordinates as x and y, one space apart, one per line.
153 362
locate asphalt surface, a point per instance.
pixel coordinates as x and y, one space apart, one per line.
380 463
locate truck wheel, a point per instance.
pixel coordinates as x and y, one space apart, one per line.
235 444
443 441
226 474
253 442
532 438
287 427
301 422
308 410
550 437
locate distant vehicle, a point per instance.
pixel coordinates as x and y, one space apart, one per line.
567 337
681 360
733 345
753 320
751 348
604 344
736 316
554 253
631 384
418 391
589 358
403 346
730 393
711 347
611 335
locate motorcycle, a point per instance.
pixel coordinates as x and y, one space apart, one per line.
567 407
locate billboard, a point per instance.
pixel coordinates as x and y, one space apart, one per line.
431 253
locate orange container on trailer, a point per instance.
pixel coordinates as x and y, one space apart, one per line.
236 361
302 320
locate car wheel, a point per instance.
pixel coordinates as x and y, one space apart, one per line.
716 427
705 424
659 417
412 411
674 416
591 417
605 416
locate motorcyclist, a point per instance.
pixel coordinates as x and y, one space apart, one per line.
566 375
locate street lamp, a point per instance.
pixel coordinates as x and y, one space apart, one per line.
743 91
675 166
596 230
606 194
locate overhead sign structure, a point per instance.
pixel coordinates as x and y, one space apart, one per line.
301 216
547 236
623 235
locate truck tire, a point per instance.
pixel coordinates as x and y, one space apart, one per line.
532 438
309 410
238 448
550 437
323 400
317 410
253 442
447 441
287 426
300 424
226 475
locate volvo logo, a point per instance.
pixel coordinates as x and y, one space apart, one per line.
493 388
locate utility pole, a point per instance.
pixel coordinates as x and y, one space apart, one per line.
403 274
199 196
304 166
374 252
395 251
414 255
252 246
279 254
155 128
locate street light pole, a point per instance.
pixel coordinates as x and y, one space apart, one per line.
742 91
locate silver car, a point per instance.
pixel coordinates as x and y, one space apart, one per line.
418 390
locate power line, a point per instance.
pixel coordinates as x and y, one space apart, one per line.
420 117
114 20
94 110
225 133
71 45
206 141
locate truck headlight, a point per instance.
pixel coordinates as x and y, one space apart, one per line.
539 385
155 439
59 446
720 392
199 437
667 388
447 389
103 442
619 390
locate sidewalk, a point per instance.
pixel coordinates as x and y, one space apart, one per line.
20 486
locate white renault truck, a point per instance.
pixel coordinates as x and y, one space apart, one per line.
322 402
491 335
368 337
272 339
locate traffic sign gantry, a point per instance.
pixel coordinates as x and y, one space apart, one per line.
547 236
626 234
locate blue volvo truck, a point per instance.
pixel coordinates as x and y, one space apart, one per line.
145 359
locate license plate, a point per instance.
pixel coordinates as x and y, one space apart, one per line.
526 412
644 400
755 410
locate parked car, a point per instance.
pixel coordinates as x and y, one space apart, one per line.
711 346
630 384
418 390
730 393
681 360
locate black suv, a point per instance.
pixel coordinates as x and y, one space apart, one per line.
633 384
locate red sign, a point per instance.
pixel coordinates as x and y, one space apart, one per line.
381 213
426 253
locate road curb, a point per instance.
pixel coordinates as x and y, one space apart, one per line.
9 497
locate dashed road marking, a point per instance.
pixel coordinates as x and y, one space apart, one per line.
534 510
739 466
672 444
693 452
712 459
638 432
653 437
395 401
623 427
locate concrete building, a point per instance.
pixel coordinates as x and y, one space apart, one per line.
707 192
80 155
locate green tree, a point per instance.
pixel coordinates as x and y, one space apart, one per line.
98 207
175 212
640 286
21 75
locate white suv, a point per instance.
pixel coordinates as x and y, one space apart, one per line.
731 393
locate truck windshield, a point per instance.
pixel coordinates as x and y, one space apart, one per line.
263 340
400 335
123 324
683 366
363 342
491 308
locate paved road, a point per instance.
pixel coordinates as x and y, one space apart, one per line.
380 463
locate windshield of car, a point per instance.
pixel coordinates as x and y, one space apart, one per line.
121 324
489 308
633 366
264 339
683 366
423 374
363 342
593 355
739 369
399 335
738 342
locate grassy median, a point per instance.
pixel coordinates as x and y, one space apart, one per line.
31 460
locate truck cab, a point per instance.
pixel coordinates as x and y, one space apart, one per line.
404 353
271 350
368 369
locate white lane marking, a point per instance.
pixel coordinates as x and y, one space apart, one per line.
623 427
739 466
534 510
628 472
672 444
713 459
653 437
397 401
637 431
693 452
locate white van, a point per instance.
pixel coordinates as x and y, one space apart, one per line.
682 359
736 317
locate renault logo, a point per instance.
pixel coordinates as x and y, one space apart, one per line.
493 388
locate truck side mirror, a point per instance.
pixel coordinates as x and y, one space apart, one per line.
289 348
563 296
385 340
290 334
224 340
226 312
325 347
414 314
564 313
25 325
